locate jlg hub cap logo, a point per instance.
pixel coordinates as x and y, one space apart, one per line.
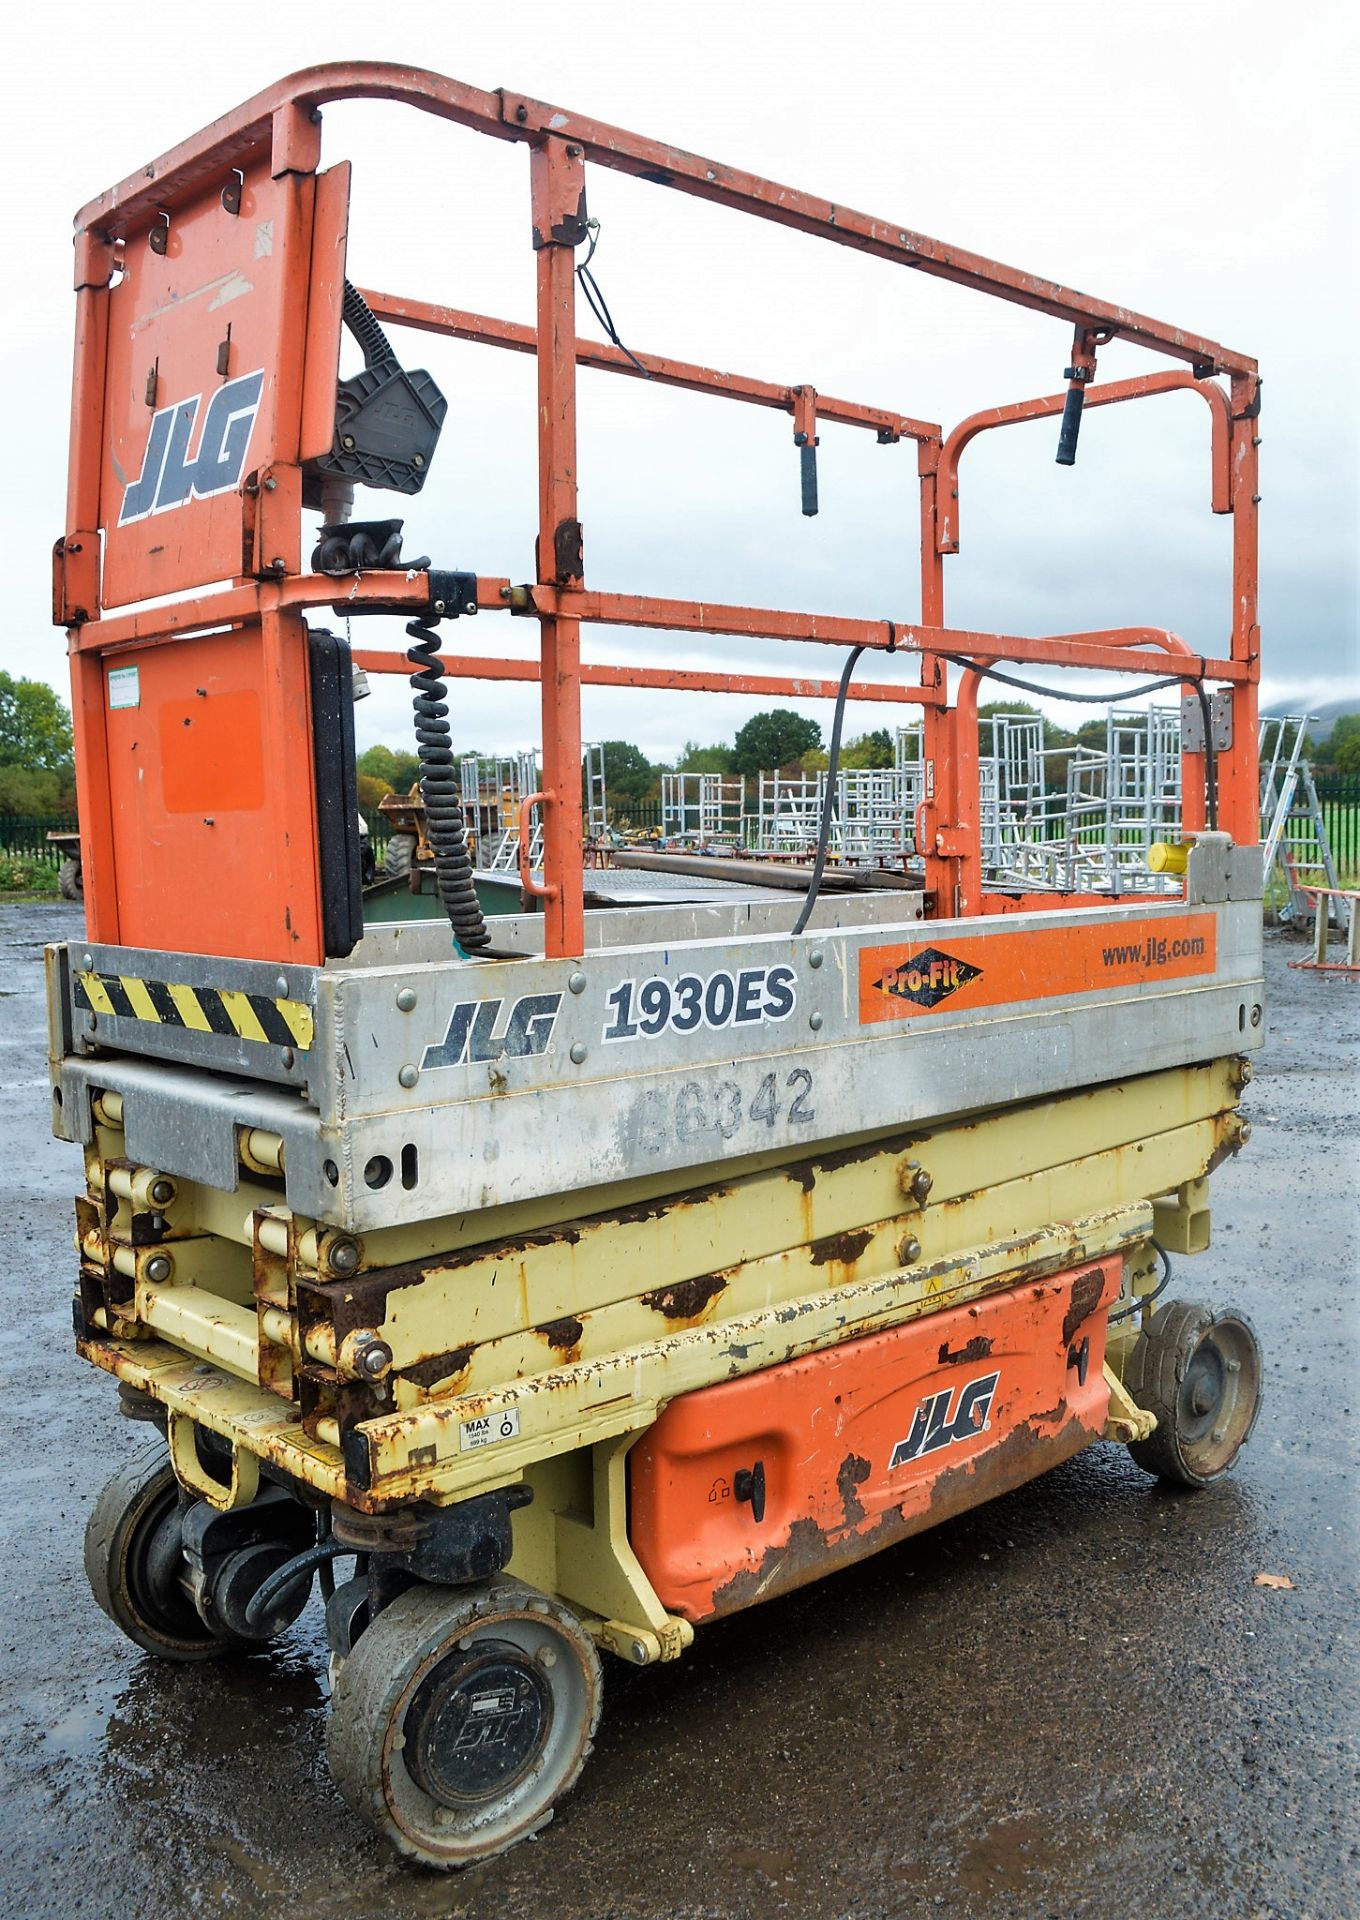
927 977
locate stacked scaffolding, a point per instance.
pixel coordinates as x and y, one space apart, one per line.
871 822
1296 855
1065 819
597 795
1078 818
492 789
704 809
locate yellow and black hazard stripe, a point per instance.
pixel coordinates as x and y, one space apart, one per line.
169 1003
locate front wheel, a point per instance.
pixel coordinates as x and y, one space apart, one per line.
1200 1373
134 1560
461 1716
401 852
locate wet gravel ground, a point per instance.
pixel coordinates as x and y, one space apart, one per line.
1073 1702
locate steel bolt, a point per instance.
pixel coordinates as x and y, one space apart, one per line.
578 1052
409 1075
815 1022
87 961
1233 1366
1246 1073
1256 1016
281 985
162 1192
406 999
1217 1435
373 1359
1243 1132
547 1657
347 441
816 957
638 1650
288 1056
159 1268
919 1186
342 1256
909 1250
577 983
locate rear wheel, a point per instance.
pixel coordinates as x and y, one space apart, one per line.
134 1560
1200 1373
461 1716
401 849
70 880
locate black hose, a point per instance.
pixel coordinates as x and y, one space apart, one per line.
325 1573
300 1567
1210 760
444 821
829 799
363 323
1145 1300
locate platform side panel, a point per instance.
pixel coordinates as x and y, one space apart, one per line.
756 1486
213 815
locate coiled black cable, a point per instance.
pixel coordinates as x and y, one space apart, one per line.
444 821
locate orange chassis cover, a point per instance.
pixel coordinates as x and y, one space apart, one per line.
747 1489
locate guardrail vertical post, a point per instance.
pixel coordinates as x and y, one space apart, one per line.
558 187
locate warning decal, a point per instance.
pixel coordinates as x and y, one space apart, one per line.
1005 967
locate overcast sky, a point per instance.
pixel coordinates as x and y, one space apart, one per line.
1195 160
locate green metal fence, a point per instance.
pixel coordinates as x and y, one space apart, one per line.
26 834
1339 798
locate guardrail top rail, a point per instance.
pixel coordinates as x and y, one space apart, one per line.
210 289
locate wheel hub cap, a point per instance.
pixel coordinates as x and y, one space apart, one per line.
478 1724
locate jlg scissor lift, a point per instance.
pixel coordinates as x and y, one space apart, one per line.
576 1290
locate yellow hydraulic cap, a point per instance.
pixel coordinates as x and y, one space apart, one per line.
1163 857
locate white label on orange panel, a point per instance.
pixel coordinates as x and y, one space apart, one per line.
124 688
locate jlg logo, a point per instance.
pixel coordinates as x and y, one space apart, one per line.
170 475
933 1426
472 1034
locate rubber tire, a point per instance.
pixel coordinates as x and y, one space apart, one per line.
378 1680
116 1533
70 880
1153 1378
401 851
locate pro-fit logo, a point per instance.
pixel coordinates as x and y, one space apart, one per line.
934 1425
927 977
473 1035
170 474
